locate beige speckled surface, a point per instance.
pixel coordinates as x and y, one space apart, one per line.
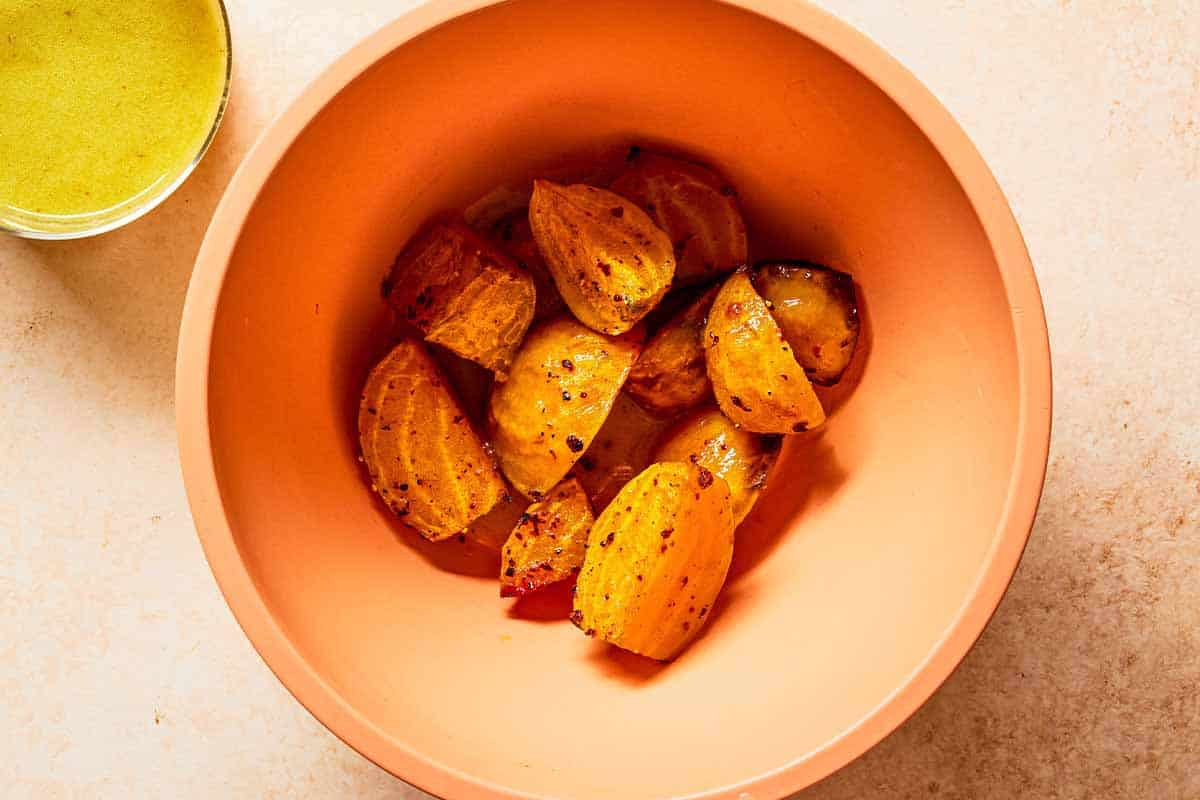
122 673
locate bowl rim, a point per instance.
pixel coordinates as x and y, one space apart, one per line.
1025 485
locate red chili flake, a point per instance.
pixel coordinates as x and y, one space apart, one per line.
583 395
662 549
733 309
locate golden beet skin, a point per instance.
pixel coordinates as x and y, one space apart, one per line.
620 450
695 207
656 560
708 438
423 456
560 389
756 379
611 263
548 543
817 311
463 293
671 376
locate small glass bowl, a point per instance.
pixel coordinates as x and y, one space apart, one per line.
30 225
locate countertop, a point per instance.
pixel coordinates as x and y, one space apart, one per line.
123 674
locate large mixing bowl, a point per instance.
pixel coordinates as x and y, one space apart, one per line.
868 569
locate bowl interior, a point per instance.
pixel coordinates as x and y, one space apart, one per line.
856 561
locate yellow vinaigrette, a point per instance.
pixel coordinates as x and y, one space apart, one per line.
102 101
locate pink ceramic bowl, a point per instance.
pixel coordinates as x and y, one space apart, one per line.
868 569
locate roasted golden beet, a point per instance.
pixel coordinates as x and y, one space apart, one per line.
695 207
548 543
620 450
472 384
708 438
656 560
463 293
514 235
492 530
756 379
561 387
671 375
424 458
486 213
611 263
817 311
